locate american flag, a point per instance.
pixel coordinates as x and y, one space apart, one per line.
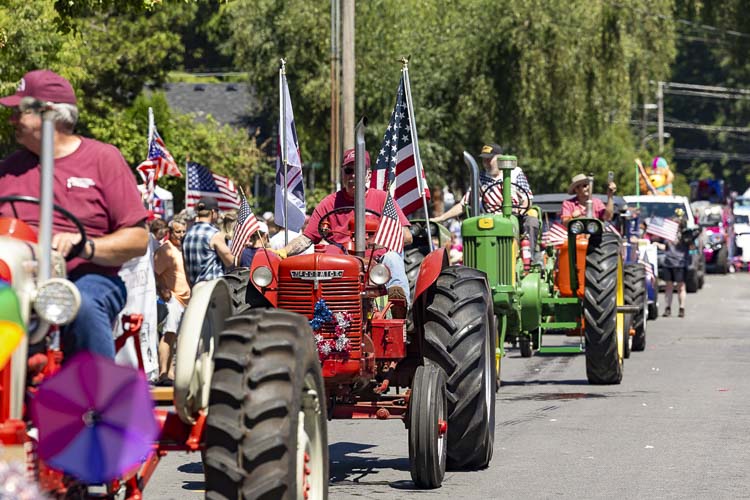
662 228
395 163
295 186
390 234
556 235
491 191
643 259
201 182
159 161
247 224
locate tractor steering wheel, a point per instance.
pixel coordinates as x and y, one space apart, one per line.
493 206
324 225
78 247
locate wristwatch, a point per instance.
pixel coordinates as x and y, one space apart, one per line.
90 243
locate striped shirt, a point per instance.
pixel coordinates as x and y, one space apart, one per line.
202 263
516 177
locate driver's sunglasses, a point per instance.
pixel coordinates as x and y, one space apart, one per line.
348 170
27 106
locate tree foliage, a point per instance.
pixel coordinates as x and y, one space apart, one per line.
552 81
109 56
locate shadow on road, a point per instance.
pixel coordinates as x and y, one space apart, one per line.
581 381
192 468
349 466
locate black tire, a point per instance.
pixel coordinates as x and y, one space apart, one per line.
603 349
722 261
634 276
266 391
413 258
653 311
428 416
459 337
238 280
691 281
524 343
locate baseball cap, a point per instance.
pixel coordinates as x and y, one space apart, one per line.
349 158
491 150
206 203
263 227
44 85
267 216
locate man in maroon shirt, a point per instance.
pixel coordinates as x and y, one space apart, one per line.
92 181
340 232
576 206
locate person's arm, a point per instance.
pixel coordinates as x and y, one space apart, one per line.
296 246
609 210
219 244
407 235
111 250
569 211
456 210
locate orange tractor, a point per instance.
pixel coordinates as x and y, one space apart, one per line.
445 361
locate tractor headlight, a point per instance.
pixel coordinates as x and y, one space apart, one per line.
592 227
576 227
380 274
262 276
57 301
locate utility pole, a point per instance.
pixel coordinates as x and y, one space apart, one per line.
347 74
335 132
660 104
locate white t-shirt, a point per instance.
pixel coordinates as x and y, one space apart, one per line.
277 241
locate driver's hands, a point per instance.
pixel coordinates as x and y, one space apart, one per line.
577 213
281 253
64 242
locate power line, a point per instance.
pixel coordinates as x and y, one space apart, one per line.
709 88
707 154
694 126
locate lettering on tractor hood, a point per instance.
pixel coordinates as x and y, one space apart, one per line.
317 275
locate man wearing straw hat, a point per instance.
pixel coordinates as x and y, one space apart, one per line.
576 206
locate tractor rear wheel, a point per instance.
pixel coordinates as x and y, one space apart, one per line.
266 431
602 294
459 337
428 421
636 294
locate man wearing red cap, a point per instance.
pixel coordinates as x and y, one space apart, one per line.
398 285
92 181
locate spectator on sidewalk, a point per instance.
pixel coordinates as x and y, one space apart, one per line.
204 249
172 287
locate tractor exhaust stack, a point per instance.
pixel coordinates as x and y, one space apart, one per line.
474 169
359 191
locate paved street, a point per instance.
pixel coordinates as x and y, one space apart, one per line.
677 427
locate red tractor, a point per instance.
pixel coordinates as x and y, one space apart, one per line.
445 361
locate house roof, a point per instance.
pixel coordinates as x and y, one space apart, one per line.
232 104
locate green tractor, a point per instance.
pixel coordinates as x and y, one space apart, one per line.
533 298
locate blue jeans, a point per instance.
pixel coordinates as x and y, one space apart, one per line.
102 299
395 263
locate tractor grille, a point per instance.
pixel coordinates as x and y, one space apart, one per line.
341 295
496 261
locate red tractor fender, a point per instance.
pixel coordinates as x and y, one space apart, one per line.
271 260
432 265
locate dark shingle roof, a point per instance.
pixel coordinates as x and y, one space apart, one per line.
232 104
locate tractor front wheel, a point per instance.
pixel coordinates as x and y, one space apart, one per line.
636 294
428 426
603 293
459 337
266 431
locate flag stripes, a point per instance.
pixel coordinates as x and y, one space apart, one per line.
246 225
556 235
202 182
390 234
662 228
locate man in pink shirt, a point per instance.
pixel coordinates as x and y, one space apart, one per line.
576 206
92 181
398 286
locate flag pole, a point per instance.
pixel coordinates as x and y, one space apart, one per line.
415 142
187 161
282 145
150 182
